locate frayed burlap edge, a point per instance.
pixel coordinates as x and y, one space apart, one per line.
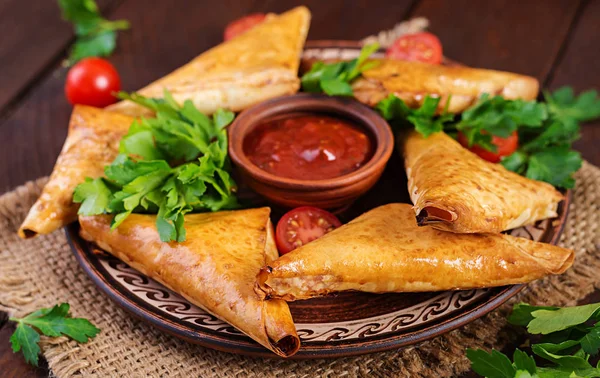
42 271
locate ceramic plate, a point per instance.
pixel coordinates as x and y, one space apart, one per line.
340 325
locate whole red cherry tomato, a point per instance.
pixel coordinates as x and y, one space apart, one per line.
505 147
92 81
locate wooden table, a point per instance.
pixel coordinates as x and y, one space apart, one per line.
555 40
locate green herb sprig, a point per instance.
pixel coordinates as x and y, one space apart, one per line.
170 165
96 36
500 117
546 130
424 118
54 322
545 153
570 337
334 79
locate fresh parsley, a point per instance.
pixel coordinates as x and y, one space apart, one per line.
96 36
54 322
500 117
546 320
554 164
546 130
545 153
565 107
570 336
424 118
170 165
334 79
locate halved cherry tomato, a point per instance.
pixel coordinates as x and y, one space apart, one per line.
92 81
303 225
423 47
239 26
506 146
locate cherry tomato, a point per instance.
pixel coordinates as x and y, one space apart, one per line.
92 81
423 47
303 225
241 25
506 146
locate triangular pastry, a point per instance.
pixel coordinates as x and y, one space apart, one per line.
215 268
411 81
92 143
384 250
453 189
255 66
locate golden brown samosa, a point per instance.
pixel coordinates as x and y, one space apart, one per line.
453 189
92 143
411 81
255 66
215 268
384 250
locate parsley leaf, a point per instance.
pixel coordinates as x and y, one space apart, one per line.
545 153
500 117
53 322
525 362
94 196
393 108
492 365
97 44
560 372
96 36
546 321
140 142
524 374
522 313
575 341
516 162
334 79
26 339
551 352
424 118
552 133
170 165
336 87
590 343
555 165
565 106
222 118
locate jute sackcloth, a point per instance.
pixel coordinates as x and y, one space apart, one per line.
41 272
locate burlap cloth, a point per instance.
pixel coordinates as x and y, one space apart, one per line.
42 272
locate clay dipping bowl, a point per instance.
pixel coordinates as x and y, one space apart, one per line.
335 193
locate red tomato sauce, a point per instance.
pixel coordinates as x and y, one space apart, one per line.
308 147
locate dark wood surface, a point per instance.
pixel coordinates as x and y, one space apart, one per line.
556 41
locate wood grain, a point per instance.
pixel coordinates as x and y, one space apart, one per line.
26 51
147 53
578 68
517 36
13 365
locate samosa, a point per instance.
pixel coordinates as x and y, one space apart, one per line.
215 268
384 251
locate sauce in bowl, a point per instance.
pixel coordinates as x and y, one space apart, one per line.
308 147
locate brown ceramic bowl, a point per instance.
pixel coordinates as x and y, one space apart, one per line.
332 193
